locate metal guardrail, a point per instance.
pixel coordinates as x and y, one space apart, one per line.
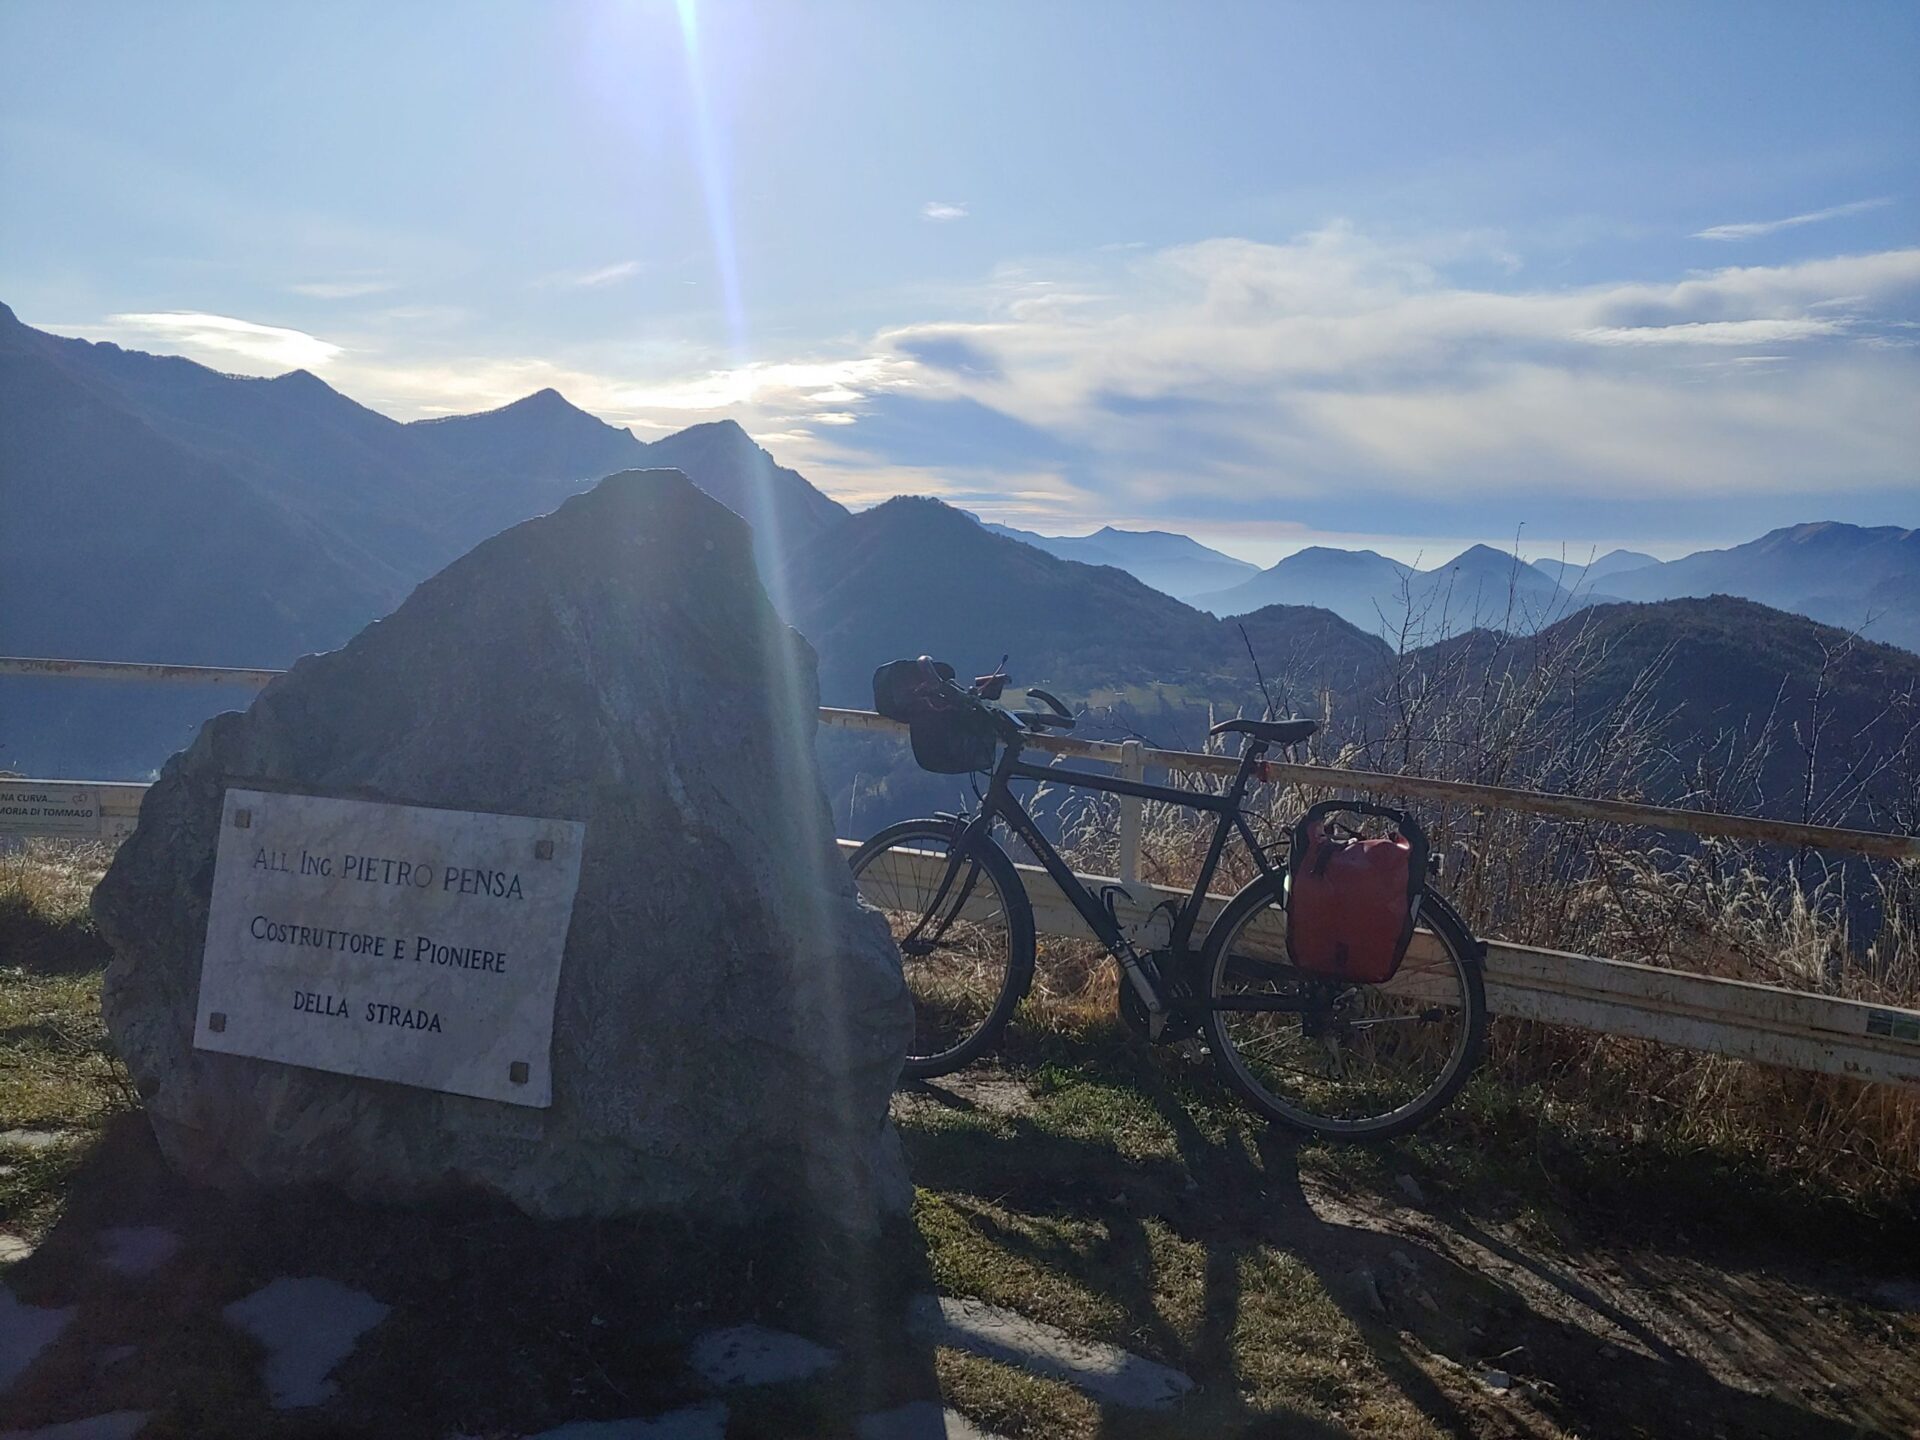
1736 1018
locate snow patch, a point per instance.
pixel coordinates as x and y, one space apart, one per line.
308 1326
26 1330
1105 1372
755 1355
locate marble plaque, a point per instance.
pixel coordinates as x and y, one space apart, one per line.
37 807
396 942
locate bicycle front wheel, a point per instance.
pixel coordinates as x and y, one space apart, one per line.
1356 1062
965 931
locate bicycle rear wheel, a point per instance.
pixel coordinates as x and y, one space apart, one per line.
966 950
1357 1062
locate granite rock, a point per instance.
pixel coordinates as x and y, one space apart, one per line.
730 1019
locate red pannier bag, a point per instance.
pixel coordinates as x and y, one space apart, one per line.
1352 903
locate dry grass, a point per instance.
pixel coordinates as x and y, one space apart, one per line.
1840 926
59 1083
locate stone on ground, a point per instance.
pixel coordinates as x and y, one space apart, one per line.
730 1020
1106 1372
26 1330
116 1425
697 1422
922 1420
755 1355
308 1326
136 1250
33 1139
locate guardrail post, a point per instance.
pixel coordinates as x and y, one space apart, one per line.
1133 766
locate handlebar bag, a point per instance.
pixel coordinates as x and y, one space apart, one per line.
901 691
953 742
1352 903
950 735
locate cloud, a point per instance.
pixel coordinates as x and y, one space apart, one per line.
593 279
942 210
1231 376
1753 229
1714 332
340 289
1335 380
221 339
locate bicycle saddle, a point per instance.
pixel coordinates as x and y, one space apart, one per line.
1276 732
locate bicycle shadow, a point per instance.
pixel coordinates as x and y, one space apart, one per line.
1431 1325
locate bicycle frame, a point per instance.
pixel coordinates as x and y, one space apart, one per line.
1000 803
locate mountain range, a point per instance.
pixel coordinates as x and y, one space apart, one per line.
161 510
1856 578
1853 577
238 521
1573 573
1173 564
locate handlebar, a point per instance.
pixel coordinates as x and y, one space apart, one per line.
985 693
1058 709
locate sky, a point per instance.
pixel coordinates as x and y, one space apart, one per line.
1402 276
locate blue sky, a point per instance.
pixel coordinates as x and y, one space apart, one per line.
1408 276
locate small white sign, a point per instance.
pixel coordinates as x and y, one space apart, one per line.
33 807
391 941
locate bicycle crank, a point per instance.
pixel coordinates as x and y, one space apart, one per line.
1178 1022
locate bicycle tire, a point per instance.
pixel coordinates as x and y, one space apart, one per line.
1017 945
1464 953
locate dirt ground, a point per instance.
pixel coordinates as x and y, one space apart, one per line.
1519 1327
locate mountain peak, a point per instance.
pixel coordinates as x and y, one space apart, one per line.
548 401
728 434
1480 556
301 380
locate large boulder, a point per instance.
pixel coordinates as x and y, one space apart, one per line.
730 1020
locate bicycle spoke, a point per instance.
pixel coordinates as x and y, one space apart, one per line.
1353 1057
951 924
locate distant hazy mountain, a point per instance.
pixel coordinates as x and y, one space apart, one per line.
139 528
1357 585
1480 587
1577 574
545 447
914 576
786 512
1173 564
1852 576
156 509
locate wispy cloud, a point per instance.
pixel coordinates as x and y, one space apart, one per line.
1245 377
592 279
1714 332
1753 229
340 289
220 339
943 210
